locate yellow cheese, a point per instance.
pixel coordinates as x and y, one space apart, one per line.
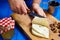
39 30
40 27
40 21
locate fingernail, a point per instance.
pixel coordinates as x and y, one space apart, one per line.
24 13
45 16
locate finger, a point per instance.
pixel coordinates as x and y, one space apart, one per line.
42 12
39 11
13 8
26 6
24 10
28 10
18 9
44 15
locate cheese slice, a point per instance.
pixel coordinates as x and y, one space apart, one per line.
39 30
40 21
36 33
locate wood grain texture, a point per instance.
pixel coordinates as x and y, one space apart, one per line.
25 23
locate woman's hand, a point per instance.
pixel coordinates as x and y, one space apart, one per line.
18 6
38 9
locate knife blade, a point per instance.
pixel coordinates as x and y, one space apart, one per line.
33 14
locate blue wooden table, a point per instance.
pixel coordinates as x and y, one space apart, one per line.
5 11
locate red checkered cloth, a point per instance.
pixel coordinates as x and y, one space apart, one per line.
6 24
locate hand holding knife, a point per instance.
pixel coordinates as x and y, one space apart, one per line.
33 14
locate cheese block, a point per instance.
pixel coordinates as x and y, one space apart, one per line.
40 27
40 21
40 31
36 33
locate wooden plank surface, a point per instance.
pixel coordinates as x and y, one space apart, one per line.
25 23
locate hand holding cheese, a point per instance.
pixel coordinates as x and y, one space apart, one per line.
39 27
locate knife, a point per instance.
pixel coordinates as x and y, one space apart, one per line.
33 14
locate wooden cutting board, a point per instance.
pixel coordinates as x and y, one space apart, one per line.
24 22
